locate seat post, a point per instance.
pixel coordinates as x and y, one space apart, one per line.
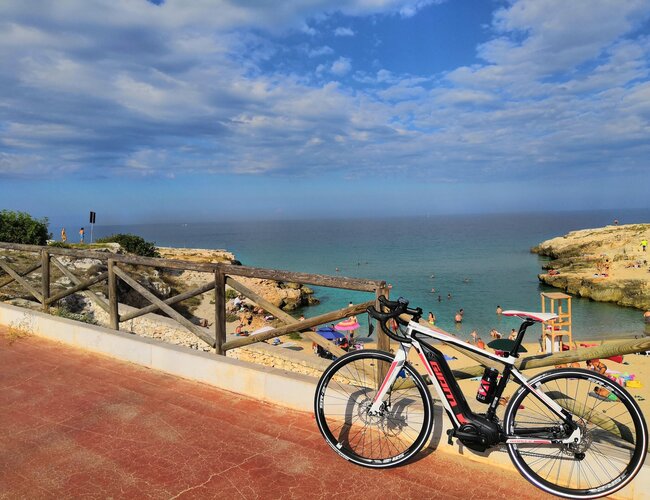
520 336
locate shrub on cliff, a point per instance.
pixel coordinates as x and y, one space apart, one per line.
132 244
20 227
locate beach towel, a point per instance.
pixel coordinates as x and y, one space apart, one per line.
610 397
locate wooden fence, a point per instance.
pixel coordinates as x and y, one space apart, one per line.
224 274
221 275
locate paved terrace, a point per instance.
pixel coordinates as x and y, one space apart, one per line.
75 424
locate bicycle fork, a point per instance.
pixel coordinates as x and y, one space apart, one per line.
395 368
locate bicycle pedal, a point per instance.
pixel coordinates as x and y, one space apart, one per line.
450 435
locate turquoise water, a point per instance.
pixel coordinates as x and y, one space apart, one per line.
481 260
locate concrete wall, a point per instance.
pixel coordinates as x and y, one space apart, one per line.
277 386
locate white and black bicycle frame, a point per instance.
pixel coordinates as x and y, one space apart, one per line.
452 397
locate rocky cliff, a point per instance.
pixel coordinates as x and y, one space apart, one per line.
287 296
605 264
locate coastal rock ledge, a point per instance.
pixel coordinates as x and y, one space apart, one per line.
605 264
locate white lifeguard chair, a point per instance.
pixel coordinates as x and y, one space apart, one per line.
554 331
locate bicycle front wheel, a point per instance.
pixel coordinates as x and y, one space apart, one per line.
614 436
344 395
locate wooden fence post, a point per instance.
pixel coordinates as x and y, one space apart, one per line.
219 311
113 307
45 278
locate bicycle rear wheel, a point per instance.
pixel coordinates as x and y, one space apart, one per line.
614 434
344 395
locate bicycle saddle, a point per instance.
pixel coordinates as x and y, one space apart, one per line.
535 316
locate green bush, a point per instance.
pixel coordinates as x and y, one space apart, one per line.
20 227
231 294
59 244
83 317
230 318
132 244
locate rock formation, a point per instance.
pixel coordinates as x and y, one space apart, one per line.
604 264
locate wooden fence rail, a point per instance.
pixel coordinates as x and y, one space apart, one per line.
223 274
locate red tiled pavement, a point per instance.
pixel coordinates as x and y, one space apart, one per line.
75 424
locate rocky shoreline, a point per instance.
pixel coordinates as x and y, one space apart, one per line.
164 283
286 296
605 264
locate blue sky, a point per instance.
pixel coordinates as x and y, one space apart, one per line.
214 110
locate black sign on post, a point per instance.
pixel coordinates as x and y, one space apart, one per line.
92 225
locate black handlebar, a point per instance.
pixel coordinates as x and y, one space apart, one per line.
396 308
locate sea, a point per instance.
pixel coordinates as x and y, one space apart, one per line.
440 263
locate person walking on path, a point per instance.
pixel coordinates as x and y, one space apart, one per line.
644 244
81 234
64 236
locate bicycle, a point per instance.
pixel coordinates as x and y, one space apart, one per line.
569 431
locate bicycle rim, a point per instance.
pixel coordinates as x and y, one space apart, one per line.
614 442
343 398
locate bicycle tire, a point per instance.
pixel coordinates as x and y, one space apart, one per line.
615 434
343 396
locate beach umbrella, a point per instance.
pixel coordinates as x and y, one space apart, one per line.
329 333
347 325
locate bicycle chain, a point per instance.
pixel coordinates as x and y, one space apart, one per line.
537 455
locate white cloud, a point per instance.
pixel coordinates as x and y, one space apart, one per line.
320 51
341 66
129 87
559 35
341 31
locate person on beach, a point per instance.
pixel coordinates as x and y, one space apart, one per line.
64 236
473 337
432 318
644 244
480 344
499 310
597 366
82 233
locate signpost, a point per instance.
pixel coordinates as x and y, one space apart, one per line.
92 223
